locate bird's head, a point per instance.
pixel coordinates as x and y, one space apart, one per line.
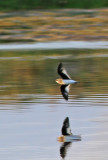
59 81
61 138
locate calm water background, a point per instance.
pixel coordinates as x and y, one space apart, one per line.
32 108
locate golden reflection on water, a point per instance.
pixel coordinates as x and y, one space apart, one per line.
29 75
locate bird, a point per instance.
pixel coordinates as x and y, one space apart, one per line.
65 82
66 131
67 135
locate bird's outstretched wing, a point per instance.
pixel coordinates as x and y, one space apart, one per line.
62 72
65 91
66 122
63 149
66 127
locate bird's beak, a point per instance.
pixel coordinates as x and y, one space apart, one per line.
56 80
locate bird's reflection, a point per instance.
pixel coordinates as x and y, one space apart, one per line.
63 149
67 137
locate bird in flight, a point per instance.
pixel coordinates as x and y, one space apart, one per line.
65 82
67 135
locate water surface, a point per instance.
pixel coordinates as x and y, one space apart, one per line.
32 108
56 45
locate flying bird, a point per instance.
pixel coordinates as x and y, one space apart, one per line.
67 135
65 82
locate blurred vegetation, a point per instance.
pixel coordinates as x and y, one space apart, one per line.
53 25
49 4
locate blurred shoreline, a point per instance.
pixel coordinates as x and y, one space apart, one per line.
56 45
54 25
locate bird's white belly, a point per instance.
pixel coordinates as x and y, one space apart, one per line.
69 81
72 137
69 138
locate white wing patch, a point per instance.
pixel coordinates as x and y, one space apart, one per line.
65 72
69 131
67 88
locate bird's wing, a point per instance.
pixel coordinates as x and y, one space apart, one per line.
65 91
63 148
66 122
66 127
62 72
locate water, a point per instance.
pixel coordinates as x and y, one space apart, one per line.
32 108
56 45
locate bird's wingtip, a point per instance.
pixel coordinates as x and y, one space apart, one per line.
60 65
65 96
66 99
67 118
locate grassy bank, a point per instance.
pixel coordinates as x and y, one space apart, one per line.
49 4
54 25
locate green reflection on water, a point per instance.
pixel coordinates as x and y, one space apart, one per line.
34 72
